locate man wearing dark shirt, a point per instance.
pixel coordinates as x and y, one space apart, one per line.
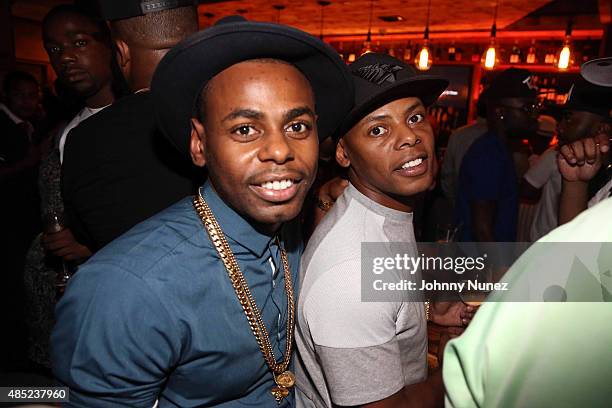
118 170
487 193
196 305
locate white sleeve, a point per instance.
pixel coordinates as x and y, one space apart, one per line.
602 194
541 172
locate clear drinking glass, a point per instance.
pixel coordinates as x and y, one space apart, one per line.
53 222
446 232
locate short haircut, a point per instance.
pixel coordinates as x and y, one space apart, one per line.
81 11
200 105
159 30
15 76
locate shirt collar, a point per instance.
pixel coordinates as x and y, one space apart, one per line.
233 224
376 207
10 114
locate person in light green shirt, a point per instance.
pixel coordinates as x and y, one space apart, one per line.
543 354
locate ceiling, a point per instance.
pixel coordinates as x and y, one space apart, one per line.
345 17
352 16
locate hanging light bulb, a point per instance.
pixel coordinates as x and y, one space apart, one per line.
564 58
489 58
367 44
423 59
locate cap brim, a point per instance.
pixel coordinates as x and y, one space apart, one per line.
598 71
427 88
186 68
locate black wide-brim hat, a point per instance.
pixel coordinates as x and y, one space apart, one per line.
380 79
186 68
598 71
585 96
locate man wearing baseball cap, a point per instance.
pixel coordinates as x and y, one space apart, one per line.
584 134
487 191
550 352
353 352
118 169
196 305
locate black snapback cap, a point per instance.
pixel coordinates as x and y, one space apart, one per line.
121 9
588 97
379 79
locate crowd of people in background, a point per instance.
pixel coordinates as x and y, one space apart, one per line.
107 165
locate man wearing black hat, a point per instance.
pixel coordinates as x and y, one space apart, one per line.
118 169
487 191
354 352
195 306
584 132
507 358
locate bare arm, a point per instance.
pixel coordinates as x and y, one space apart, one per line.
429 393
573 200
578 163
483 219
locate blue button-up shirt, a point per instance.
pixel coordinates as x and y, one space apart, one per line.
154 316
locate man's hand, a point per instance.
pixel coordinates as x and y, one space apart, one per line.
327 195
452 313
333 189
582 159
64 245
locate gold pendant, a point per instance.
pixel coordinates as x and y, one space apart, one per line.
279 393
285 379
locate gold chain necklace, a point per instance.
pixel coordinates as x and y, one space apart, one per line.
283 378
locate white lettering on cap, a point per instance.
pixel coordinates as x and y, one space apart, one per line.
569 94
529 82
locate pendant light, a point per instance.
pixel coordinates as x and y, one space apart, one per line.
489 58
278 8
423 58
323 4
367 44
564 58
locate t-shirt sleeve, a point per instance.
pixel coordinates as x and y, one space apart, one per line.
481 175
113 341
541 172
601 195
355 341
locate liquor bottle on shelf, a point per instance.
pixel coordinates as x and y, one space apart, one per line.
552 94
408 52
515 57
531 55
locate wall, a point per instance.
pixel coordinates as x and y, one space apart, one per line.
30 54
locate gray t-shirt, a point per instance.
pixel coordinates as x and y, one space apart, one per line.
352 352
545 175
